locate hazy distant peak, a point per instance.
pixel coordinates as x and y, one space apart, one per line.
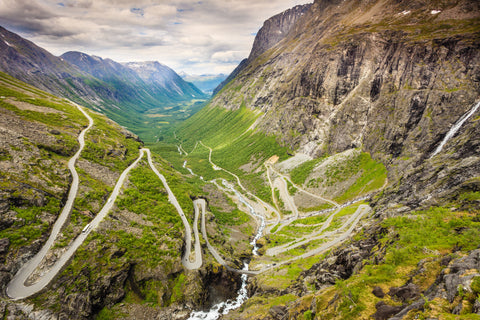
145 65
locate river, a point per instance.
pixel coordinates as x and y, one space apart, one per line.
226 306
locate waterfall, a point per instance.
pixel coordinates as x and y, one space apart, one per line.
224 307
453 130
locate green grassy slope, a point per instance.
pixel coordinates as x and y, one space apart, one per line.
234 144
142 236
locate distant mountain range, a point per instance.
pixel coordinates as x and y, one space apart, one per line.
205 82
122 91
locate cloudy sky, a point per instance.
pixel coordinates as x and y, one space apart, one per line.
207 36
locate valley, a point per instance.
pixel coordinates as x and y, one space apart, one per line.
18 289
335 174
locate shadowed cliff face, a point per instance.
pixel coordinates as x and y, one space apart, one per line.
272 32
389 76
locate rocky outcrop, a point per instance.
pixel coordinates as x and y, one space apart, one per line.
458 285
405 293
219 285
342 262
385 311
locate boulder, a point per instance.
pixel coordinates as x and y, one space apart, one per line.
4 244
405 293
476 306
278 312
378 292
385 311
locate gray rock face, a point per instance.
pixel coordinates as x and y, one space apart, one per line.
459 276
4 244
344 78
453 284
276 29
278 312
272 32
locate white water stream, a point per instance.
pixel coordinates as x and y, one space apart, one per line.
226 306
455 128
190 170
263 223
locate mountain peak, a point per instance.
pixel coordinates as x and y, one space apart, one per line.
272 32
275 29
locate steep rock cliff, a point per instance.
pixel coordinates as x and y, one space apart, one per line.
275 29
272 32
388 76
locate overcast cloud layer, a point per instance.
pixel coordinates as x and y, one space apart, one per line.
208 36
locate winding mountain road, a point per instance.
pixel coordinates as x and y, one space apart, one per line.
201 204
266 205
352 221
197 263
16 288
284 189
303 190
361 210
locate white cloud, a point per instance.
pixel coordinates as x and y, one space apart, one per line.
195 36
228 56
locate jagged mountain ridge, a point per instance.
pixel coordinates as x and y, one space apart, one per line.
162 77
276 29
25 60
132 80
97 67
390 77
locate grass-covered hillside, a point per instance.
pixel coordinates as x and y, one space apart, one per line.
132 261
236 146
134 257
